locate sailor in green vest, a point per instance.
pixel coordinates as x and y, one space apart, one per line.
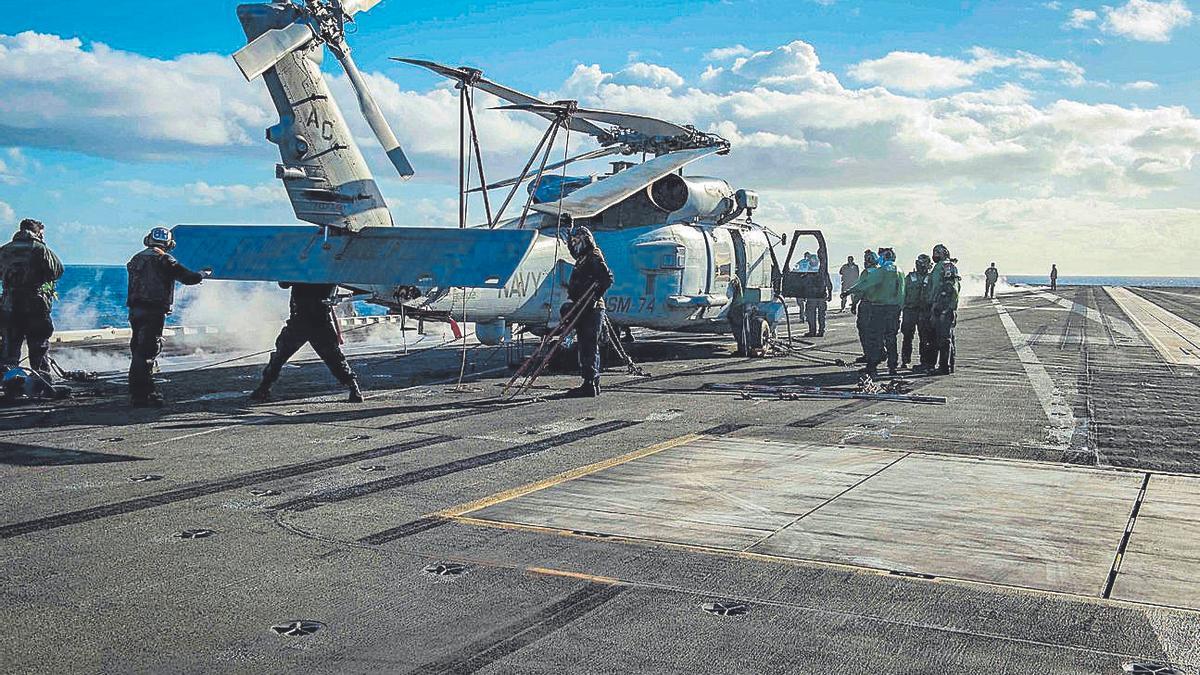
870 265
883 288
942 296
915 284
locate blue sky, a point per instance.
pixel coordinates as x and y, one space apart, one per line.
1015 131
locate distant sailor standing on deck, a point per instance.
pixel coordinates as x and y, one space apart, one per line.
849 274
816 292
152 277
590 280
943 306
1053 277
28 269
310 321
990 275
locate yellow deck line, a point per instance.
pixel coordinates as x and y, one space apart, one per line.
463 509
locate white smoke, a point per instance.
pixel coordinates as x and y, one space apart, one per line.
77 309
972 286
231 315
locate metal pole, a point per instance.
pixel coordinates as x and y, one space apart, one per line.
487 204
532 158
462 156
541 170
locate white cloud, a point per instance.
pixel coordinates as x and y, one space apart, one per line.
1080 18
914 71
1146 20
106 102
648 74
726 53
920 72
795 124
865 157
7 215
1023 235
794 65
201 193
1140 85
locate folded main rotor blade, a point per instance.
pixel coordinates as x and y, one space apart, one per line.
374 117
649 126
589 200
502 92
601 152
267 49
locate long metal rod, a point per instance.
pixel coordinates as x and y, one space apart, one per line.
538 177
462 156
487 204
520 179
564 326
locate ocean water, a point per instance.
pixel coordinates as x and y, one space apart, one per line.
1042 280
93 296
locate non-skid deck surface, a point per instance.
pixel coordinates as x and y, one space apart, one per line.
1041 526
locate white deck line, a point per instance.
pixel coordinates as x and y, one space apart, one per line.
1058 411
1175 338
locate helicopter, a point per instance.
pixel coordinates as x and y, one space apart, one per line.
674 242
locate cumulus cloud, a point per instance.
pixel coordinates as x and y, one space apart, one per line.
1146 20
794 65
1023 235
648 74
62 93
793 124
1140 85
1080 18
200 193
920 72
59 93
7 215
727 53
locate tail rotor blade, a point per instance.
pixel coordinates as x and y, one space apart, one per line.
267 49
374 117
352 7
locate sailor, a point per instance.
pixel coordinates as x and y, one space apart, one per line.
870 265
849 274
942 297
152 276
1053 276
887 297
29 270
915 284
310 321
802 268
590 280
816 292
990 275
736 316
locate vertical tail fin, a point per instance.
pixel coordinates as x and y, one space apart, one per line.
326 177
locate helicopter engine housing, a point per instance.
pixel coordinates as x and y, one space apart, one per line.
691 197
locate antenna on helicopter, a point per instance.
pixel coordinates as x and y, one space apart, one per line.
324 21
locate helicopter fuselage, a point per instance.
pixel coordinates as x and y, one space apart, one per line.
666 277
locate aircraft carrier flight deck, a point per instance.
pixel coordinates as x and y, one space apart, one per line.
714 517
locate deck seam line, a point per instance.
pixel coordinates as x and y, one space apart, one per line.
1115 570
828 501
